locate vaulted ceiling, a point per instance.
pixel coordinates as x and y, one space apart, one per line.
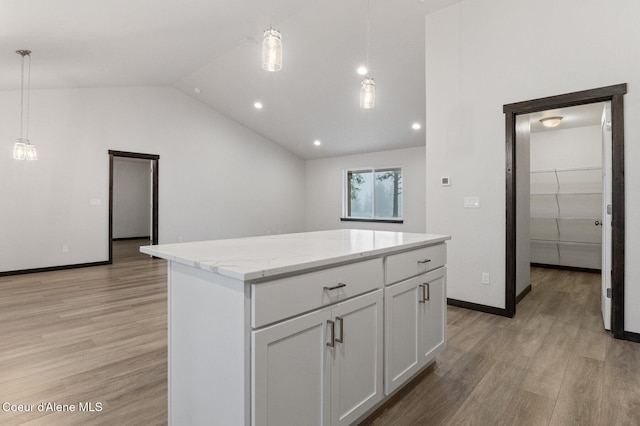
210 50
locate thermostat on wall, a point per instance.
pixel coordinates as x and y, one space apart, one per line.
445 181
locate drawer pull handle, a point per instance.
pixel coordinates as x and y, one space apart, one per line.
335 287
426 293
332 342
341 339
424 261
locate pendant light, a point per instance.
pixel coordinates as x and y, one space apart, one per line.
272 50
23 149
368 86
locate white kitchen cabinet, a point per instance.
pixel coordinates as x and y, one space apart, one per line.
322 368
415 321
249 321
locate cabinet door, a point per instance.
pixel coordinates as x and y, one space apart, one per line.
356 378
291 372
433 314
402 322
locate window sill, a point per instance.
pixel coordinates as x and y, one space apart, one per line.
352 219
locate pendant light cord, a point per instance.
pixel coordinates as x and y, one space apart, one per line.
22 128
368 31
28 94
22 100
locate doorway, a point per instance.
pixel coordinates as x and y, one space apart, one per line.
614 94
150 160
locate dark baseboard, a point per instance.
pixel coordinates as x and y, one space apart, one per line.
477 307
53 268
522 294
565 268
632 337
132 238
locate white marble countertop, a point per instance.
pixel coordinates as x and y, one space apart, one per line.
252 258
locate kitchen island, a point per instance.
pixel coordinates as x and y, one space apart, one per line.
309 328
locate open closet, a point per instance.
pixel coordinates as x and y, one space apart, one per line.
570 190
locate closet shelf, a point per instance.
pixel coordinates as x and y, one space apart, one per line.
561 242
578 169
572 218
565 213
553 194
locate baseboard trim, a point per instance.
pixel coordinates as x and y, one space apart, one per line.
523 293
53 268
132 238
632 337
477 307
566 268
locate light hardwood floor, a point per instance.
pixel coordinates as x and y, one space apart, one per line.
552 364
99 335
94 334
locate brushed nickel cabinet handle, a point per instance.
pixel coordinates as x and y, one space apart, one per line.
424 261
341 339
426 293
335 287
331 343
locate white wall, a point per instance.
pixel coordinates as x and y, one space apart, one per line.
567 148
482 54
323 202
131 197
217 178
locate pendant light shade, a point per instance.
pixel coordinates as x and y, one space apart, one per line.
22 148
367 93
272 50
368 86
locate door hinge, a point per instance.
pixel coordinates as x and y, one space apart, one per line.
609 293
609 209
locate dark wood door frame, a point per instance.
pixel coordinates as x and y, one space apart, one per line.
154 189
614 94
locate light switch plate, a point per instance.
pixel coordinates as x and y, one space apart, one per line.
471 202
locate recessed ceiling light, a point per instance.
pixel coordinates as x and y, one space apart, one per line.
317 142
416 126
257 105
362 70
197 90
551 121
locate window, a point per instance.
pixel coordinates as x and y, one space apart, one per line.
374 194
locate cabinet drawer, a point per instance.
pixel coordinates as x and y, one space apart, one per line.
276 300
411 263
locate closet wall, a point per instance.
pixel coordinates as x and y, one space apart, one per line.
566 197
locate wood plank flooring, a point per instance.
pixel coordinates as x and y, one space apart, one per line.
552 364
94 335
99 335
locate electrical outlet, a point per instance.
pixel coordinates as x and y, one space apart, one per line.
486 278
65 248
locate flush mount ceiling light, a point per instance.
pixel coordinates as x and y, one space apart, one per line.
551 121
317 142
416 126
272 50
23 149
368 86
362 70
257 105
